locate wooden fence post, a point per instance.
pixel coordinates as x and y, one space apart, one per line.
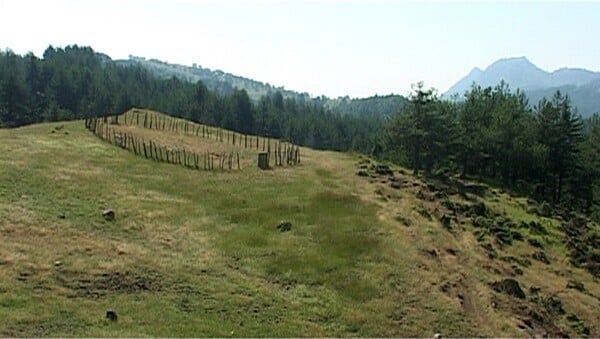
145 151
279 152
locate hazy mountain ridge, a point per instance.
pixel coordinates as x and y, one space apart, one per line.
583 86
216 80
224 83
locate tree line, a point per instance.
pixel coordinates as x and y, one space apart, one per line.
546 150
76 82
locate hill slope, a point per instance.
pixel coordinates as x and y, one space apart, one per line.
583 86
224 83
196 253
216 80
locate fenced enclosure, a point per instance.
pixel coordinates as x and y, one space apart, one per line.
173 140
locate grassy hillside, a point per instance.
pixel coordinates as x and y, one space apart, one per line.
198 253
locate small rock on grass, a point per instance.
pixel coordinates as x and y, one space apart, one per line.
541 256
111 315
109 215
510 287
578 285
284 226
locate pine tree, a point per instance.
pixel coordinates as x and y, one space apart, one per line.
419 133
13 93
242 109
588 183
560 131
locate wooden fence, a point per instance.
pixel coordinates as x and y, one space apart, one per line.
285 153
280 153
152 150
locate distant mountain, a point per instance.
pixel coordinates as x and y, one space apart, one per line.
216 80
224 83
583 86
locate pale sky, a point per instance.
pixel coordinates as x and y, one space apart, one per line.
331 48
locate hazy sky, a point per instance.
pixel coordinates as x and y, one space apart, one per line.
320 47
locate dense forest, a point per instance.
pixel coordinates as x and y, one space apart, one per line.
377 105
76 82
546 151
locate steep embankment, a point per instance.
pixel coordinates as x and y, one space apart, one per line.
199 253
